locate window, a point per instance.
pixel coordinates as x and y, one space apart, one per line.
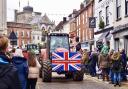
38 37
100 15
27 34
126 7
107 15
79 19
22 33
33 37
83 18
118 9
86 17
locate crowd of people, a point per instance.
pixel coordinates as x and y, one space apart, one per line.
109 65
18 69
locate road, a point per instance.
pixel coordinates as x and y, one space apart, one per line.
59 82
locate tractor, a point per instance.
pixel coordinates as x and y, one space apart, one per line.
60 59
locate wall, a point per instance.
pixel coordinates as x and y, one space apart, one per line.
101 6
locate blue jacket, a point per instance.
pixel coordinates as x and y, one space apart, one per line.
22 67
8 74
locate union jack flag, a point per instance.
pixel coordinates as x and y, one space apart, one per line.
65 61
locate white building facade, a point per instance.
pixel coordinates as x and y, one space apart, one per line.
103 11
120 32
66 27
3 16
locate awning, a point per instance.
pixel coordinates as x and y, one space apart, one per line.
103 35
109 36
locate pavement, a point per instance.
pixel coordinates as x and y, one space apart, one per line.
124 85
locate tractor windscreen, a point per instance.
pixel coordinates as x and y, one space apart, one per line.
59 42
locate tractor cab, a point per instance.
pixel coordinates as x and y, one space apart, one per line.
59 42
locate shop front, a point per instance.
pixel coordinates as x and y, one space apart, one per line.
120 34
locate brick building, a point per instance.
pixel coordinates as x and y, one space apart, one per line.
85 33
22 31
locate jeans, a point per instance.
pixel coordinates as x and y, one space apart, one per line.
117 77
31 84
111 76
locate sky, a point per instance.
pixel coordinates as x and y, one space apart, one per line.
55 9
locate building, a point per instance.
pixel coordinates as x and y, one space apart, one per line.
103 12
40 24
22 31
120 32
3 16
73 32
40 27
85 33
25 16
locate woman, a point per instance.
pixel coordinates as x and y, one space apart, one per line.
116 68
21 64
34 67
8 73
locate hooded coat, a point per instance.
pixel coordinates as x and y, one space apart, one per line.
22 67
8 74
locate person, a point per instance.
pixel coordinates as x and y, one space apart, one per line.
34 67
85 58
8 73
110 64
124 61
103 62
21 64
116 68
92 63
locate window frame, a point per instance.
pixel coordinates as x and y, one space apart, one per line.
118 10
100 15
126 7
107 15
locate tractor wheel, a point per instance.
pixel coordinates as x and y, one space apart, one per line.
78 75
47 71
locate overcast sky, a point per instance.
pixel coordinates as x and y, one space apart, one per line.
55 9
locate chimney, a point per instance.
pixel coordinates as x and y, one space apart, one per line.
64 19
81 6
74 11
15 15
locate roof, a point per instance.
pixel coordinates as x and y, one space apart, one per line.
83 9
42 20
46 20
59 26
28 8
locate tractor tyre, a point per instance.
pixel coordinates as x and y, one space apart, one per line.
47 71
78 75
